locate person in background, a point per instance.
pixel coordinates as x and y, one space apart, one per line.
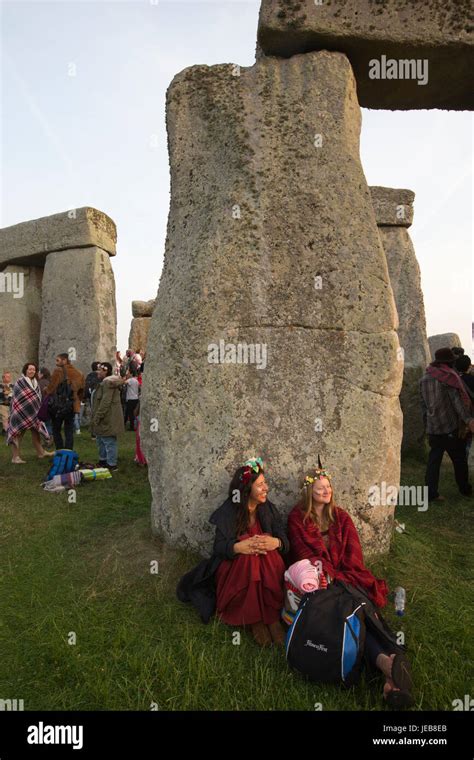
107 417
139 458
463 367
44 378
26 402
132 395
448 417
118 363
92 381
65 370
6 393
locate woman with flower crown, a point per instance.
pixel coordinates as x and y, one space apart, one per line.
325 534
243 579
250 538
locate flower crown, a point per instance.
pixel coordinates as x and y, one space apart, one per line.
251 465
320 472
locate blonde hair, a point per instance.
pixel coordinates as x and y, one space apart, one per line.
329 510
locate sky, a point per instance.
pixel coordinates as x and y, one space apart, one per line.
83 124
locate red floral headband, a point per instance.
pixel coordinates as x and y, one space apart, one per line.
250 466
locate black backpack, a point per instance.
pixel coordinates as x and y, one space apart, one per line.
326 641
61 402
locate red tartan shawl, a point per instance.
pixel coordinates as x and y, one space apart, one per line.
343 559
448 376
24 410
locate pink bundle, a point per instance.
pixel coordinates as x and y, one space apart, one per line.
304 576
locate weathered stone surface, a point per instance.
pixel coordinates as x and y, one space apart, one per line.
143 308
258 213
20 317
393 207
29 242
443 340
138 337
79 312
405 277
439 32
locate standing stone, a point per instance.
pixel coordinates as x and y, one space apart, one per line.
394 214
424 50
443 340
79 312
139 329
274 304
20 317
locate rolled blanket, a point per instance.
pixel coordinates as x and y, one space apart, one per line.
304 576
100 473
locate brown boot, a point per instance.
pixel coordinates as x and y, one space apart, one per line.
261 634
277 633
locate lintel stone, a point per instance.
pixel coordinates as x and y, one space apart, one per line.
28 243
439 32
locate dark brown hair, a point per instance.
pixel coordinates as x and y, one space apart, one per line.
244 495
29 364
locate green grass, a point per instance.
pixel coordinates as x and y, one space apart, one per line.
85 568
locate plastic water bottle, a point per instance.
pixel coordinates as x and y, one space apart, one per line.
400 597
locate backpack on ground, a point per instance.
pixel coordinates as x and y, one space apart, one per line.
61 402
326 641
64 460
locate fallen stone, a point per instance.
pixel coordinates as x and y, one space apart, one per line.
30 242
138 337
78 308
274 330
20 317
397 205
143 308
421 53
443 340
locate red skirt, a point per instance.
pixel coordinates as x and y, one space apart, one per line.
250 587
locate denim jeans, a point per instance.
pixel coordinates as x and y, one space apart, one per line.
108 448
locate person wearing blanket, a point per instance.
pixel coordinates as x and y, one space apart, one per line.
25 405
243 579
324 534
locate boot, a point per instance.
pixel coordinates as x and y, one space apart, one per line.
261 634
277 633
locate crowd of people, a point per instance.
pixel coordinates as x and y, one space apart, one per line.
54 406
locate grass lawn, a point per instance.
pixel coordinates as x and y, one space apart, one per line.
85 568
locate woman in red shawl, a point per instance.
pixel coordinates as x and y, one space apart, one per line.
322 532
250 539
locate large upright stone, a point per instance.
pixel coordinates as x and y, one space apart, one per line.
20 317
273 258
30 242
399 34
394 214
79 312
443 340
138 337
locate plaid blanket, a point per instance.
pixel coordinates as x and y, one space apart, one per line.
24 410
